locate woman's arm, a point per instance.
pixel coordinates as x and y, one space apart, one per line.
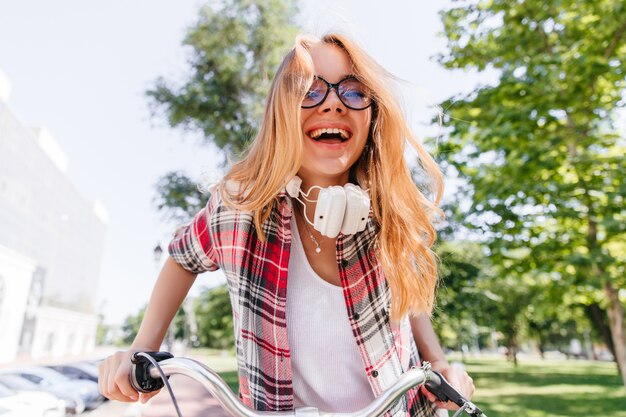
430 350
169 291
427 341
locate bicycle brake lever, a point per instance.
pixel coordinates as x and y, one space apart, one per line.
445 392
140 379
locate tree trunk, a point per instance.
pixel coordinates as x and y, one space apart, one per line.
615 312
515 356
541 343
512 348
598 318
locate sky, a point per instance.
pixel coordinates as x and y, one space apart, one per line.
81 68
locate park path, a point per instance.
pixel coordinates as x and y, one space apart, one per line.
193 401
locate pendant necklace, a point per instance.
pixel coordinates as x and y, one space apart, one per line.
318 248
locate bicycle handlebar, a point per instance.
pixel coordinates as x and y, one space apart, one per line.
146 377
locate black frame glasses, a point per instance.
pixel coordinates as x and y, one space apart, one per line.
353 98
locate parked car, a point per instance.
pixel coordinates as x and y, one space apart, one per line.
74 394
31 404
78 370
74 404
12 412
90 394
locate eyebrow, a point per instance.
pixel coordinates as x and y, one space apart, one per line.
343 77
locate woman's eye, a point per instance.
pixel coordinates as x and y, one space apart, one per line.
354 93
353 89
313 94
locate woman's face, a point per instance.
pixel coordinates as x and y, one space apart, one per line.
334 135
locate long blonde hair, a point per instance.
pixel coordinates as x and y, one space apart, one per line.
402 213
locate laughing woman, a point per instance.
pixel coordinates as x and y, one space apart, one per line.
325 242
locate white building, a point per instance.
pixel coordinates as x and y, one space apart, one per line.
16 275
51 243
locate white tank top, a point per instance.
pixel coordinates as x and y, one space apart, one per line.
328 371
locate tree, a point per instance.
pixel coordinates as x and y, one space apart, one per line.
179 197
461 301
214 317
539 149
102 330
235 50
130 328
553 318
131 325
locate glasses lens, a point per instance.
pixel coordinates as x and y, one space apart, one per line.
316 93
355 94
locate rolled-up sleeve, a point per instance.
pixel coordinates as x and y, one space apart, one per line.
191 247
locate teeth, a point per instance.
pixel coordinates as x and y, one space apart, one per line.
318 132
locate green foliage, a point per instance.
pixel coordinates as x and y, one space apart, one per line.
130 328
131 325
179 324
539 149
102 331
460 299
214 318
178 197
540 153
235 51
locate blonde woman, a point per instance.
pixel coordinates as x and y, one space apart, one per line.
325 242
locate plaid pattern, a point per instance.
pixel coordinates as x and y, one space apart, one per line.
256 272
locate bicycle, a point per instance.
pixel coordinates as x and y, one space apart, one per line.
150 372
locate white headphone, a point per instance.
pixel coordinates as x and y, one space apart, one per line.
338 208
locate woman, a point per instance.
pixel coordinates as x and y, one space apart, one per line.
331 294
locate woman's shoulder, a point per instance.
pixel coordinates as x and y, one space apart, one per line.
225 196
236 190
231 197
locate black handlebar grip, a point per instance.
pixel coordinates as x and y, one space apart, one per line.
444 392
140 379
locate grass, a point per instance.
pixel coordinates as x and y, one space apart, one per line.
222 362
536 388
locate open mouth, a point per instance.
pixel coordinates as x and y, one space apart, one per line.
330 135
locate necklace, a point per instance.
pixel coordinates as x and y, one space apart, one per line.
317 243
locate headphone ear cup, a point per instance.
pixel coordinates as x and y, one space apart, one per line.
357 210
329 211
293 187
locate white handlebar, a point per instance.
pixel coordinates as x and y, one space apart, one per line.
216 386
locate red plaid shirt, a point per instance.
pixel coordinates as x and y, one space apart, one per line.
256 271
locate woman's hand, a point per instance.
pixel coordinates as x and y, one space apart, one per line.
168 294
457 378
114 378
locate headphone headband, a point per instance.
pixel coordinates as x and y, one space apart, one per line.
338 209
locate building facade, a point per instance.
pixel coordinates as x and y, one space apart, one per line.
51 244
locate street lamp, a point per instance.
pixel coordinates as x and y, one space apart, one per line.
158 253
191 325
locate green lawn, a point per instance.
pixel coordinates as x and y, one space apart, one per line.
224 363
572 388
567 388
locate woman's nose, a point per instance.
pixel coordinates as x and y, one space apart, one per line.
332 103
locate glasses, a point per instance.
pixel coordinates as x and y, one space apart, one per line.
352 93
